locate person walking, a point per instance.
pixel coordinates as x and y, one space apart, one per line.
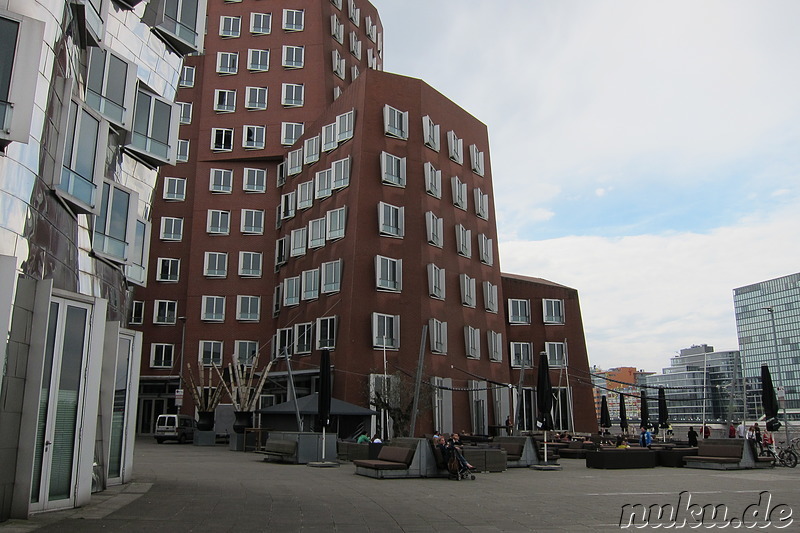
692 436
645 438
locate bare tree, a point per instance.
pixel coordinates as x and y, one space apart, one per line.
397 399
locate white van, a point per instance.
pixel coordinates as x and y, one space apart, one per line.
175 427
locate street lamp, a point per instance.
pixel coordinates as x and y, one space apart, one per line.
183 344
771 312
385 421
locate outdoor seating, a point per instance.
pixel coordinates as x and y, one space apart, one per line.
617 458
282 450
401 458
520 451
724 454
673 457
350 451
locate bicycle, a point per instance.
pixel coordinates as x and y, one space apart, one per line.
783 456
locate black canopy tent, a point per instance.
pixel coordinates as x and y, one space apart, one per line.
345 417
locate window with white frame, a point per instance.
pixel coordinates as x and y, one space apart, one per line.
277 299
353 12
337 92
220 180
485 249
481 204
215 264
372 59
230 26
335 220
288 205
467 285
153 126
385 331
430 133
187 77
339 64
436 282
165 311
248 308
476 159
211 353
252 222
395 122
253 137
354 72
355 45
257 60
459 193
182 152
293 56
316 233
260 23
169 269
299 242
341 173
218 222
311 150
137 312
519 311
388 274
494 342
556 353
337 29
295 162
371 28
553 311
472 342
171 229
434 228
302 338
161 355
305 194
291 291
490 296
290 132
185 112
326 333
281 251
391 220
292 94
256 98
433 181
393 170
310 282
280 172
323 183
521 353
224 100
213 309
331 273
345 123
437 331
293 19
221 139
250 264
227 62
255 180
114 225
329 141
284 342
455 147
245 352
463 241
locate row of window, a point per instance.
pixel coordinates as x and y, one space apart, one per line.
327 279
253 138
258 59
519 311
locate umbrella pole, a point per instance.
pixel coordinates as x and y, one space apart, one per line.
545 446
323 441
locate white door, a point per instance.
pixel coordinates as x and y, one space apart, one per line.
120 416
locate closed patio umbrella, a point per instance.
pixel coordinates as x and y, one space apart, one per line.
769 400
645 412
663 415
623 416
544 399
605 417
324 404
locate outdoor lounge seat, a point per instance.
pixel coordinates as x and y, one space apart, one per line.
282 450
617 458
390 458
520 451
401 458
674 457
723 454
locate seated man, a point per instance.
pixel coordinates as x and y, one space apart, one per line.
454 448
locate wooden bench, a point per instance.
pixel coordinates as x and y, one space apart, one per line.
282 450
723 454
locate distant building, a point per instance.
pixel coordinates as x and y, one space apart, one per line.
614 383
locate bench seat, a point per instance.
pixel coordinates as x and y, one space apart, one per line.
279 449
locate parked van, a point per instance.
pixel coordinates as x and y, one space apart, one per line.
175 427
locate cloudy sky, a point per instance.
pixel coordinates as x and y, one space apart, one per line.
645 153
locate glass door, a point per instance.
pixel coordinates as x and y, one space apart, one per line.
119 418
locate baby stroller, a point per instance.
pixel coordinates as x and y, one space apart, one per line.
457 466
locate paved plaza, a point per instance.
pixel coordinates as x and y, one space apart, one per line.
211 489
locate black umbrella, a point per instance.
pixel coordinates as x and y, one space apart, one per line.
623 416
544 399
324 405
663 415
769 400
644 411
605 417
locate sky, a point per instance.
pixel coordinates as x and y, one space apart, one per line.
644 153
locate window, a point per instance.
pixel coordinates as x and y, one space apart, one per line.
372 29
215 264
390 220
395 123
224 100
326 333
221 180
182 154
260 23
310 284
302 338
299 240
115 224
329 137
341 173
323 185
256 98
472 342
494 341
476 159
385 331
213 309
433 181
353 12
434 227
222 139
245 352
252 222
248 308
171 229
311 150
211 353
393 169
169 269
335 220
388 274
331 276
165 311
305 194
185 112
281 174
430 133
253 137
481 204
137 312
109 84
230 26
179 22
463 241
293 56
161 355
467 290
292 95
187 77
316 233
485 249
337 29
489 297
293 20
255 180
521 353
258 60
82 161
136 269
250 264
291 291
556 353
519 311
553 311
437 331
344 125
339 64
284 341
281 251
288 205
459 193
227 62
455 147
290 132
355 45
436 279
295 165
218 222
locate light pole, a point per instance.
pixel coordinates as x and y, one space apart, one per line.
703 395
180 369
771 312
385 421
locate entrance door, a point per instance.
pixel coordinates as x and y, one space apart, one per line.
119 417
60 416
149 409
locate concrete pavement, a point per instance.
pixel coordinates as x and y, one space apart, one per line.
188 488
